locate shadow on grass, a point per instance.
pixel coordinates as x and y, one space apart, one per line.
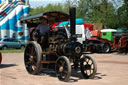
7 65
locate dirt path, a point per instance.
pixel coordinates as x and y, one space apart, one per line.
112 70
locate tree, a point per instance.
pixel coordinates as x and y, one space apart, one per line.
85 7
98 11
123 14
93 11
49 7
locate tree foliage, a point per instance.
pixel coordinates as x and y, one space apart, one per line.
122 13
93 11
49 7
98 11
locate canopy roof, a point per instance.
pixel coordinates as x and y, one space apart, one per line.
52 17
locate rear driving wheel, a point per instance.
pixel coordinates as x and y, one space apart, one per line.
88 67
33 57
63 68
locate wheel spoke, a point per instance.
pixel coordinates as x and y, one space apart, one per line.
86 72
92 66
33 67
34 53
62 62
64 74
61 75
88 61
27 54
90 71
28 63
32 49
35 58
29 49
91 63
34 63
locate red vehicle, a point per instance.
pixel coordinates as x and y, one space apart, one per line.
113 41
120 43
0 58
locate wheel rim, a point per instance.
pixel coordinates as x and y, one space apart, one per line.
61 69
22 47
106 48
4 47
30 58
87 67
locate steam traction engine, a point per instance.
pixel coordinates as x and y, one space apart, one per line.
57 51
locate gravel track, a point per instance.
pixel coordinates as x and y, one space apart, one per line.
112 69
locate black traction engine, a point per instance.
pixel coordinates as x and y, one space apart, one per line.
58 51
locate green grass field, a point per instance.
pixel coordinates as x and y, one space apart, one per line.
12 51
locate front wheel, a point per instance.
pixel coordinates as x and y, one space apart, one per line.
63 68
88 67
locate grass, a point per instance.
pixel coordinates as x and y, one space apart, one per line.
12 51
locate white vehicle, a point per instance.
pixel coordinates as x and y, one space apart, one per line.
81 32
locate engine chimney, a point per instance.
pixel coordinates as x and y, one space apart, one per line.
72 12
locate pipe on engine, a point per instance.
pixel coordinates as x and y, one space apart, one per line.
72 12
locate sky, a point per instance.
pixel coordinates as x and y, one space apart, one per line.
37 3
